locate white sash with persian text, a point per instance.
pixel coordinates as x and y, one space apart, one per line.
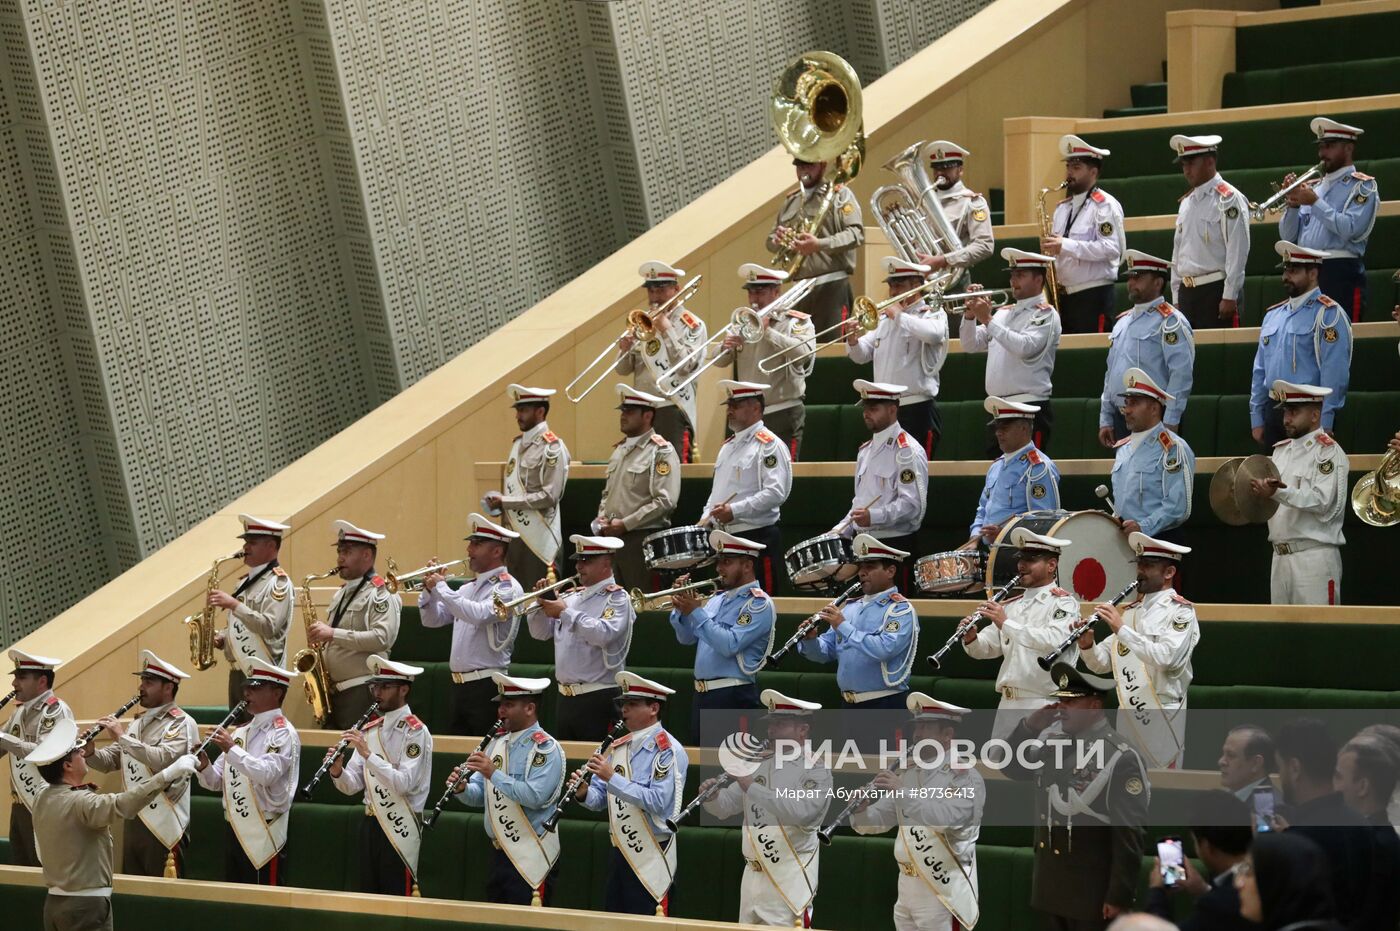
658 363
532 856
260 838
165 819
795 880
395 815
632 833
543 537
1141 716
933 860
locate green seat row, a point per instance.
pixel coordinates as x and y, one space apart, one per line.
1356 37
1327 80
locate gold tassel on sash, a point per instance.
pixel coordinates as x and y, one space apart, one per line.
415 893
170 871
535 900
660 910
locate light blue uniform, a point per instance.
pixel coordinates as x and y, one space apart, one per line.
1152 479
656 765
1306 344
1340 221
734 632
1026 480
532 779
1156 338
874 647
480 639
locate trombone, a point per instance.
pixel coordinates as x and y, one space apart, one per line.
643 601
518 606
1275 202
957 303
413 581
864 318
641 326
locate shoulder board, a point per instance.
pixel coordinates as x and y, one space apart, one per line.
1361 176
279 721
540 737
866 443
793 193
897 598
413 723
89 786
1224 190
1165 439
279 571
175 712
763 436
663 740
51 700
1122 315
727 441
660 440
902 439
757 592
613 588
373 724
1165 309
377 581
619 442
1097 196
1282 443
1014 598
689 320
1181 601
799 315
1033 456
1122 442
1278 305
1326 440
1043 305
838 187
549 437
1059 592
1327 301
504 577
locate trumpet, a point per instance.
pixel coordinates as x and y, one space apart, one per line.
641 326
413 581
1275 203
335 753
1048 660
1046 217
864 318
720 783
492 733
517 606
93 731
969 623
777 655
957 303
580 776
643 601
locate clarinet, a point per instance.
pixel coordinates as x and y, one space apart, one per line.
87 735
1049 659
340 748
6 700
777 655
431 818
673 824
824 835
580 777
234 712
969 623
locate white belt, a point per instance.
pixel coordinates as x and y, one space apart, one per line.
855 698
1195 281
583 688
914 399
351 683
709 685
462 678
1084 286
1297 546
102 892
1011 693
828 278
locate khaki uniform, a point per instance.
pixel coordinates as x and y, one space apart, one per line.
32 720
368 624
783 409
156 738
685 334
643 486
971 219
266 601
840 233
542 461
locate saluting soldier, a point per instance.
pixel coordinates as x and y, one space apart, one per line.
591 627
676 333
362 620
753 476
1024 628
732 631
1305 339
872 640
829 251
643 485
257 775
1153 336
1022 479
783 804
72 826
791 333
1306 530
1148 653
517 779
1153 468
260 608
482 640
966 210
1089 817
938 815
1086 240
392 764
1020 340
535 473
639 780
157 841
1335 215
908 348
1211 242
37 710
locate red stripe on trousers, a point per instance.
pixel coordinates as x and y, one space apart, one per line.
1331 591
272 869
666 905
928 445
792 449
407 882
685 446
1356 304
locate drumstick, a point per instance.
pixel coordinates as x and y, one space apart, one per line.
847 522
709 518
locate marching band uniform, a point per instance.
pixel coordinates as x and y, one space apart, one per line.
1306 530
481 641
156 738
365 617
529 774
1019 481
783 807
1305 340
938 819
753 474
1090 225
394 778
650 359
732 634
1339 223
536 470
1154 337
258 626
258 780
1154 469
642 489
649 767
1037 620
967 211
841 233
30 723
909 349
591 639
1149 659
1211 242
874 648
1089 834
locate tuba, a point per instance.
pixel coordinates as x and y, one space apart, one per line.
910 212
1376 496
201 625
309 661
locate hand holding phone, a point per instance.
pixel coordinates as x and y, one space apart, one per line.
1261 802
1172 858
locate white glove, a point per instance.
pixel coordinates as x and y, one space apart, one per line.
185 766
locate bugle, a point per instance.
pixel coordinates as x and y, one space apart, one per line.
581 776
516 606
652 601
776 657
863 320
957 303
232 715
341 746
641 326
456 785
721 782
87 735
1276 202
970 623
395 581
1078 628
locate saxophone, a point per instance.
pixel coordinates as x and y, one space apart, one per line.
309 661
201 625
1047 230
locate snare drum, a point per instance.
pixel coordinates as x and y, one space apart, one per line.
820 563
1097 563
954 571
685 547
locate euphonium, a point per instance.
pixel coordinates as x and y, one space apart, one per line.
1047 228
201 625
309 661
1376 497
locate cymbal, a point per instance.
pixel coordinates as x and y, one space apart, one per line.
1222 493
1256 510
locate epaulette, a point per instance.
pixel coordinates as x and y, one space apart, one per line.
373 724
660 440
1361 176
1165 440
663 742
549 437
377 581
727 440
613 587
280 721
1224 190
902 439
1327 301
763 436
279 571
504 577
1033 456
1044 305
1058 592
1282 443
1122 315
799 315
1097 196
689 320
897 597
51 700
1183 197
1277 306
1133 605
1122 441
1326 440
757 592
1165 309
413 723
540 737
175 712
89 786
1176 596
865 444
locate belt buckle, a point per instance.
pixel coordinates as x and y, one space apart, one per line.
1283 549
566 690
1008 693
1189 281
848 697
700 686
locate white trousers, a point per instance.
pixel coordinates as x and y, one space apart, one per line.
760 903
1312 577
918 909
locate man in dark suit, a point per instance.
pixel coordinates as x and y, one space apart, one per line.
1222 841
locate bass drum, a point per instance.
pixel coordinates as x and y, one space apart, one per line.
1097 563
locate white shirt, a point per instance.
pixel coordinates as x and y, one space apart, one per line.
1161 630
1093 244
408 769
1208 238
270 758
1020 342
892 472
755 468
1314 504
1036 623
908 350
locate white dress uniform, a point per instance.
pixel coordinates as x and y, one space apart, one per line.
755 468
892 472
408 766
1020 342
908 349
1212 238
268 751
1306 530
1091 225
